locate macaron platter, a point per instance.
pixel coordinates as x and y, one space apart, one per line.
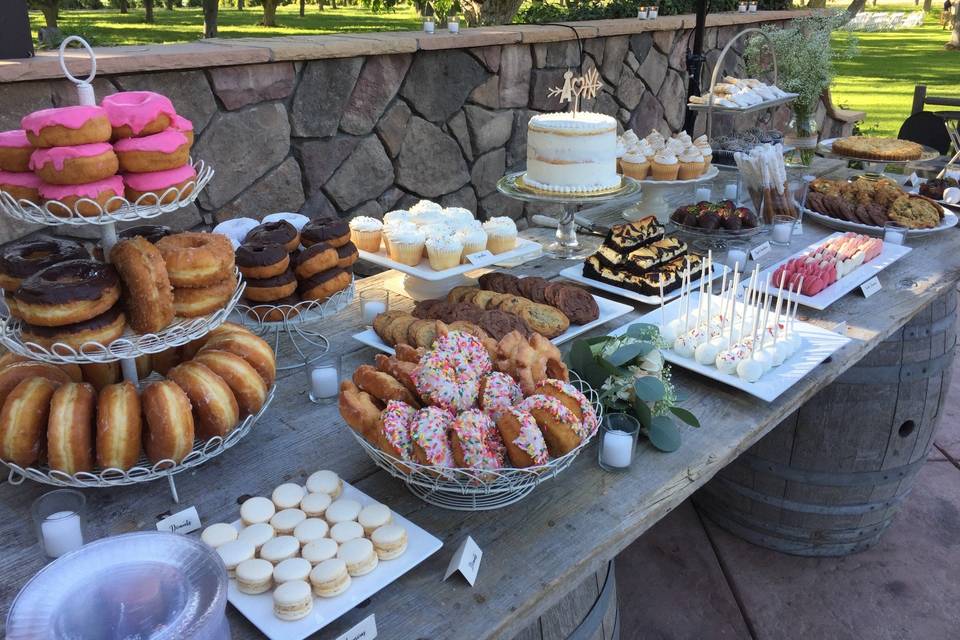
259 608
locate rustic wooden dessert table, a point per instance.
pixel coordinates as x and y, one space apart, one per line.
538 553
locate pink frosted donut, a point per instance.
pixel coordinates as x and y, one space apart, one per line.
15 150
498 392
475 441
22 186
74 197
80 164
67 126
168 149
428 433
138 113
157 183
184 126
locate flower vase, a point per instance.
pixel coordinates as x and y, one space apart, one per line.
802 134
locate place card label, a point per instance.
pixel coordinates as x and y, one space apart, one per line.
181 522
480 257
466 560
798 229
366 629
870 287
760 250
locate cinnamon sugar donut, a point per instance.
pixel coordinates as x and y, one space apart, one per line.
215 409
162 151
15 373
314 259
269 289
251 348
26 257
118 426
170 428
23 421
138 113
160 186
70 428
67 293
199 301
66 126
147 293
262 260
322 285
80 164
276 232
15 150
197 259
166 360
22 186
247 386
89 199
333 231
189 350
102 329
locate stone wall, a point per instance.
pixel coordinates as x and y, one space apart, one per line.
326 132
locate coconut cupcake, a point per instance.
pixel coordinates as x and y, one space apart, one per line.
457 217
365 232
406 244
444 252
635 163
426 212
705 149
395 225
691 164
397 215
473 238
665 166
501 234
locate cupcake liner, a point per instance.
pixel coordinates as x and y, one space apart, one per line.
635 170
441 259
664 171
408 253
501 242
366 240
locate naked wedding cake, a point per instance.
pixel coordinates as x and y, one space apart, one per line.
572 153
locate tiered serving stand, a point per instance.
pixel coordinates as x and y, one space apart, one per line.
130 346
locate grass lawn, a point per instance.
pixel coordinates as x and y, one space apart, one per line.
880 79
108 27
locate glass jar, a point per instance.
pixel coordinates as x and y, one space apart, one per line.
618 441
802 134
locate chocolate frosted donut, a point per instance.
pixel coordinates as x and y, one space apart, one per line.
322 285
276 232
333 231
103 329
262 260
23 259
577 304
270 289
314 259
67 293
149 232
347 254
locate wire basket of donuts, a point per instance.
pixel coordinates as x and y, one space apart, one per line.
160 290
472 423
83 426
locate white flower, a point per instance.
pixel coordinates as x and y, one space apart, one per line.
652 362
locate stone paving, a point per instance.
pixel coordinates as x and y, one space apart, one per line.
687 578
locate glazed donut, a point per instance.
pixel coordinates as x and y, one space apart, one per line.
119 426
559 425
276 232
347 254
275 310
24 258
23 421
67 293
81 164
102 329
475 441
383 386
90 199
168 149
393 436
138 113
314 259
147 293
247 386
15 151
22 186
262 260
67 126
101 374
251 348
196 259
70 428
15 373
333 231
165 186
169 429
428 435
575 401
184 126
322 285
498 392
149 232
522 438
166 360
269 289
199 301
215 410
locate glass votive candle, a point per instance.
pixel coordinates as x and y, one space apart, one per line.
323 376
753 7
702 194
429 25
738 251
894 233
453 24
373 302
58 517
781 231
742 7
642 12
618 441
653 12
731 192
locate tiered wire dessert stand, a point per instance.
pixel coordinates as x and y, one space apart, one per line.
131 345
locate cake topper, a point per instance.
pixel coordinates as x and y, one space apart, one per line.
574 88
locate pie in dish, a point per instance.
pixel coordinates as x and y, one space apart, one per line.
873 148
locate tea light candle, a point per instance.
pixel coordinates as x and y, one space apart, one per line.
782 232
730 191
642 12
737 257
428 25
653 12
324 382
61 533
370 309
617 449
742 7
753 7
702 194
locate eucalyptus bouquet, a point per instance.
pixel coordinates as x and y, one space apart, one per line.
631 376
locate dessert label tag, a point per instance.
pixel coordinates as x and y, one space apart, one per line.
870 287
466 560
841 328
479 257
181 522
798 229
760 250
366 629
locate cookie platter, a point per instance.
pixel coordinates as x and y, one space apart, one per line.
949 221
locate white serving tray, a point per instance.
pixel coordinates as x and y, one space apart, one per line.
258 609
818 345
423 271
575 273
949 221
609 310
890 254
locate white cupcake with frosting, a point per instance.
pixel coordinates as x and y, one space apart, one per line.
406 244
501 234
397 215
635 163
426 212
444 252
473 237
690 163
665 166
393 226
365 232
457 217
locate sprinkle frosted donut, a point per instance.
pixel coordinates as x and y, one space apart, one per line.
498 392
78 164
573 400
394 436
558 424
522 438
428 432
168 149
442 381
138 113
475 441
67 126
15 150
468 349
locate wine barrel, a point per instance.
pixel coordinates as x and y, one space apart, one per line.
589 612
828 480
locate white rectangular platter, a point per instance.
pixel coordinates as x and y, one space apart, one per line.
425 272
890 254
575 273
258 609
609 310
818 345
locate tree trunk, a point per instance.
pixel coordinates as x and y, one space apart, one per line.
927 5
210 10
169 5
239 5
817 4
148 11
123 7
494 11
51 12
319 5
855 7
303 7
954 43
333 4
269 13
